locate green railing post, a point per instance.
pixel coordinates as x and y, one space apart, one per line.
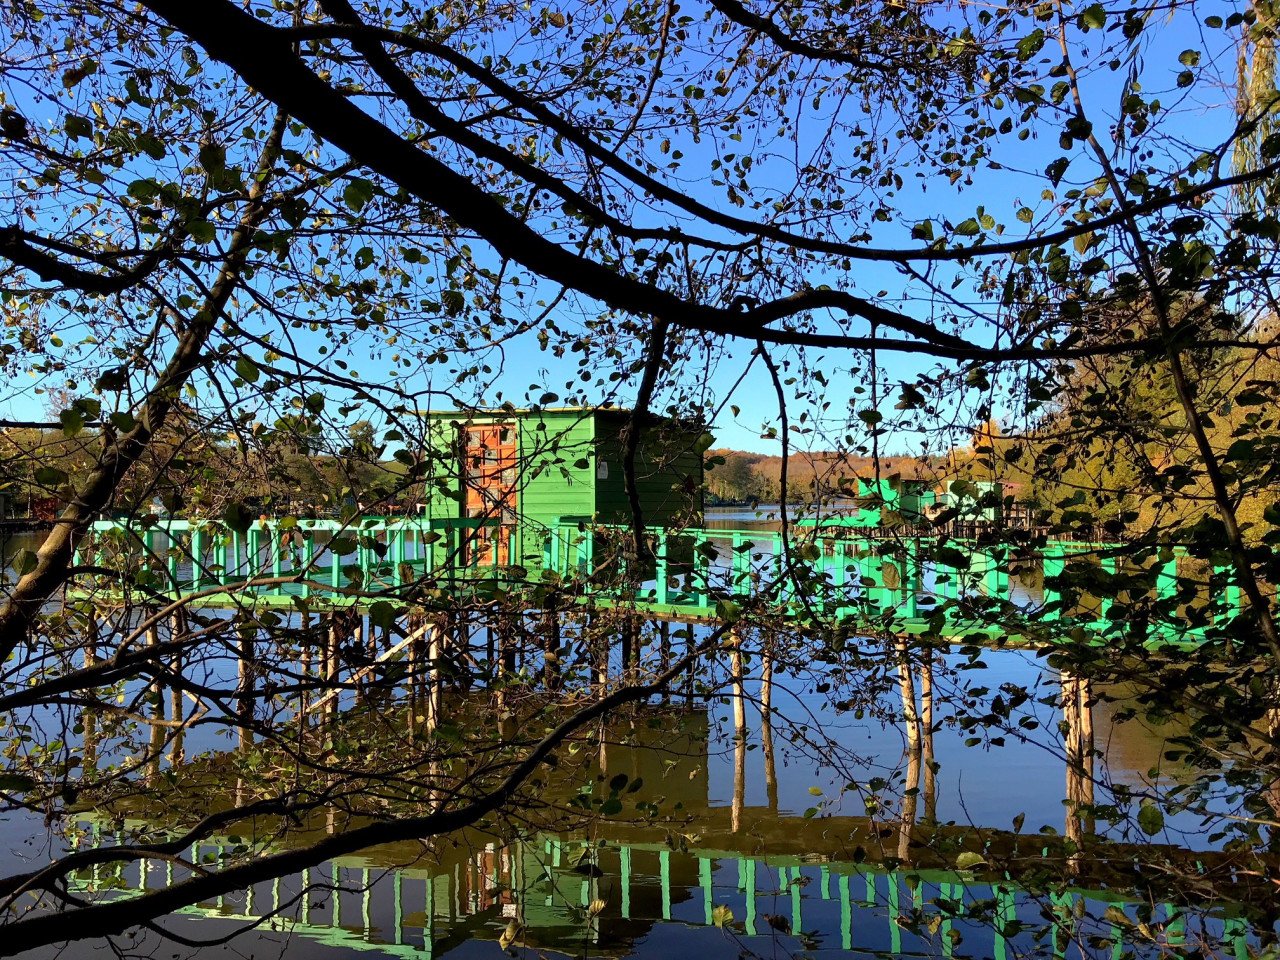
1053 563
197 558
1104 603
701 570
308 558
912 579
661 581
173 555
995 573
1232 598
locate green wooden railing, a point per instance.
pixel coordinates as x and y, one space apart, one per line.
691 572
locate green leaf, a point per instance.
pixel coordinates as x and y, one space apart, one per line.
24 561
721 915
969 228
728 611
77 127
454 302
383 613
246 370
201 231
619 782
1094 17
72 421
237 517
357 193
1150 819
969 860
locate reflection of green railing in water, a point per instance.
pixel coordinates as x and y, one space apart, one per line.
690 573
548 885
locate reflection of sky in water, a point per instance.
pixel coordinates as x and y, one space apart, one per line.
983 785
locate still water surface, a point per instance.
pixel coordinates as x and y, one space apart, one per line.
774 841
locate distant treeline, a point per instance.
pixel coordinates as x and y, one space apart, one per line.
735 476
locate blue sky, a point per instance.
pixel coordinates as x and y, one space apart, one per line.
999 192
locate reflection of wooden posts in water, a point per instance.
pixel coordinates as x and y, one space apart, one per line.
871 904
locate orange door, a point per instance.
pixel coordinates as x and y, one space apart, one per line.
489 473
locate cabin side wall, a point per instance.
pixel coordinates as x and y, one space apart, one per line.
669 474
441 486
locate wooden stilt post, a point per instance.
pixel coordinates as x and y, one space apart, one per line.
664 653
766 726
245 690
177 753
551 650
928 757
434 699
358 641
739 690
628 646
690 677
907 688
89 718
333 640
157 704
413 663
598 644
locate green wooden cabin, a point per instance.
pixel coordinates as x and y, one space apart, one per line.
520 475
974 500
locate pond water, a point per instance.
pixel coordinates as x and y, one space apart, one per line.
772 829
